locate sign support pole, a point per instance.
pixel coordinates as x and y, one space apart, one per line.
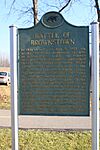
95 86
14 106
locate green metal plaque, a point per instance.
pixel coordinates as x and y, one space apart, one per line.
53 68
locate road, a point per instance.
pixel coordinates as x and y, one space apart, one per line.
47 122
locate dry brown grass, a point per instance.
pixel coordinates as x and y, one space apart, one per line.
4 97
4 69
4 94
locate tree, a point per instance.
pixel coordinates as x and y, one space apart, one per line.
63 4
4 62
96 6
35 11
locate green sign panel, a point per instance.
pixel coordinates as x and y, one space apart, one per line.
53 68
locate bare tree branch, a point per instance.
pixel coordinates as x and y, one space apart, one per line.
52 6
65 6
12 6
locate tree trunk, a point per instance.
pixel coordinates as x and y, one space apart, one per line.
98 9
35 11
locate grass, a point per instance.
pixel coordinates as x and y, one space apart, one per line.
5 102
47 140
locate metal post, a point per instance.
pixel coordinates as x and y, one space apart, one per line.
95 86
13 64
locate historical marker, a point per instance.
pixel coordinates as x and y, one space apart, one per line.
53 68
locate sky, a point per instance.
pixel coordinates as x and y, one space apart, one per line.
81 12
